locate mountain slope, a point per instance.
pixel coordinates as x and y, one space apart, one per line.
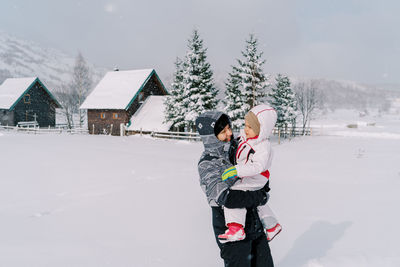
22 58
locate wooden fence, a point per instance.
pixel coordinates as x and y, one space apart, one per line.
168 135
190 136
280 133
38 130
292 131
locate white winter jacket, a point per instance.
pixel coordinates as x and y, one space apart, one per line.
254 155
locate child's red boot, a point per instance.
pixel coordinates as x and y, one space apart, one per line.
235 232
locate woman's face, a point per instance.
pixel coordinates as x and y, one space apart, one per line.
248 130
226 134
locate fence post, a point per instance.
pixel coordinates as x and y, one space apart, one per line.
286 131
122 129
279 136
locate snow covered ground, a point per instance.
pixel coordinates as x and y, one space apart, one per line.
356 124
80 200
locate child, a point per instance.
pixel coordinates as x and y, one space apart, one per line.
253 157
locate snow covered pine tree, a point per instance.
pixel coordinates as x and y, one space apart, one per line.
199 91
254 81
246 84
235 102
174 102
282 99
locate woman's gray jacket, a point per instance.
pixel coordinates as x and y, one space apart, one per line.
213 161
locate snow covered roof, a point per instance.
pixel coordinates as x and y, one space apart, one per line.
13 89
117 89
150 116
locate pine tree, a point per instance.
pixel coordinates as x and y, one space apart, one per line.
254 81
236 106
174 101
199 89
283 101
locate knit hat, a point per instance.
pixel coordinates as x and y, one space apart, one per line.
221 123
252 120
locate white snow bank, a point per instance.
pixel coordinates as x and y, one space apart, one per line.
367 134
349 123
150 116
83 200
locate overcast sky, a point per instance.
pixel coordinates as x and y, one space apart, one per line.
337 39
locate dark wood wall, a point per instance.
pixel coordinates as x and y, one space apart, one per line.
40 103
99 125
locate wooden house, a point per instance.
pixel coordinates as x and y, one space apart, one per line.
117 97
27 100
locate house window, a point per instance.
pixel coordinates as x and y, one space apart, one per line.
27 99
102 115
115 115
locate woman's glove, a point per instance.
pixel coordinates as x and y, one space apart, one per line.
229 173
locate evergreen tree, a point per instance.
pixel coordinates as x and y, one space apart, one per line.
283 101
236 106
254 82
174 101
199 92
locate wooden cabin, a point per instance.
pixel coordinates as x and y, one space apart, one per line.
117 97
27 100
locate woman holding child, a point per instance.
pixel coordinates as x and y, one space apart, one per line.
234 176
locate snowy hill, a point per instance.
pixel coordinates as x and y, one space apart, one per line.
22 58
338 94
81 200
335 94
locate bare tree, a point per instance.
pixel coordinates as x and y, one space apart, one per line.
72 94
307 98
81 83
67 99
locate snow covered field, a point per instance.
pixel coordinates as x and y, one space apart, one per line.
79 200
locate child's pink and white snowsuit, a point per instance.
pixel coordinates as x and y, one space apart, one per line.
254 157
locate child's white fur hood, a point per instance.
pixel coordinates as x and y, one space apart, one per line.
267 117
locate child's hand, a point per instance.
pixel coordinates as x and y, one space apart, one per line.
229 173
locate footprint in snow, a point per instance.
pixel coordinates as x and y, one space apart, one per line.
62 194
41 214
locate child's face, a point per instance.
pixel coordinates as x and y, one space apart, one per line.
248 130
